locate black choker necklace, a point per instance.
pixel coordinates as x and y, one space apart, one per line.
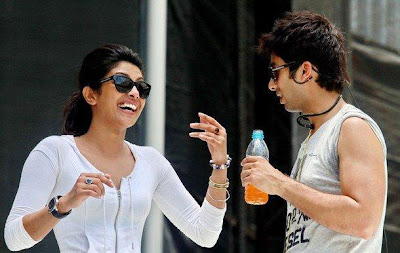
305 116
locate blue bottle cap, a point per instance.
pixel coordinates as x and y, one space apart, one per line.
257 134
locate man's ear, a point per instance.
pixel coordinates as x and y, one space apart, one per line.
89 95
306 73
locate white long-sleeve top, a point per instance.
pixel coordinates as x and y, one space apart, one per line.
115 222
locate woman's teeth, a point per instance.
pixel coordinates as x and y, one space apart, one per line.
127 106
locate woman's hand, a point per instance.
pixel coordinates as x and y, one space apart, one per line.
87 185
215 136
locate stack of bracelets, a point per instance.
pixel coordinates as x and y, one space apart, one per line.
223 186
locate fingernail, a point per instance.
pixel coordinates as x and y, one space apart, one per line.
191 124
200 113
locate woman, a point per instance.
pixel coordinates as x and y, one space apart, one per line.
98 187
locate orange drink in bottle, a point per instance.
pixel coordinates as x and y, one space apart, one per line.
254 196
257 147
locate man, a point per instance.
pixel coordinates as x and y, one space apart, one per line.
337 189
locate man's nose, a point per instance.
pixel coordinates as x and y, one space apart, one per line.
271 85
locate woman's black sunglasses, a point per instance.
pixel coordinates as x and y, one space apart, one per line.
124 85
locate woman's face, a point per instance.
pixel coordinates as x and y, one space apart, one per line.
118 110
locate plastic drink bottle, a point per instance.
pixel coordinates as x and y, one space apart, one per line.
257 147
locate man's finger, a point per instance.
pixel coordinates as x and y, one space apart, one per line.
251 159
248 166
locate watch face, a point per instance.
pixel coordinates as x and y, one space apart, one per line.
52 204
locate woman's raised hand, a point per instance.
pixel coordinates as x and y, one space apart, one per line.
87 185
215 136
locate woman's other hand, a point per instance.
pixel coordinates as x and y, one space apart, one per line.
215 136
87 185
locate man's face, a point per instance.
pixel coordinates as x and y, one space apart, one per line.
286 89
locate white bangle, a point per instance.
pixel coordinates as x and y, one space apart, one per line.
220 200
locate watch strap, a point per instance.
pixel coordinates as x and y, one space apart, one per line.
53 208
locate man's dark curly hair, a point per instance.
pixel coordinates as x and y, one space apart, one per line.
305 36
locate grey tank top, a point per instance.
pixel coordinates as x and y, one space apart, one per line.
321 172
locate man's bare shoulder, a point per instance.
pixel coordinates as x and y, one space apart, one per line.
357 136
355 127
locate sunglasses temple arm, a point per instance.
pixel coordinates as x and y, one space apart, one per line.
106 79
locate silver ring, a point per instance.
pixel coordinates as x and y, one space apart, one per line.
88 181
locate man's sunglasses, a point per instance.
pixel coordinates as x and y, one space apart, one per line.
274 71
124 84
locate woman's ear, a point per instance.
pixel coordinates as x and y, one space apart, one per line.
89 95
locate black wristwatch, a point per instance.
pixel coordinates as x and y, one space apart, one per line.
53 204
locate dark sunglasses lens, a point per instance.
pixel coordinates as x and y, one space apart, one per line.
123 84
143 88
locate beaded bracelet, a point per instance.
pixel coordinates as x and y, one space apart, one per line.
217 185
220 200
222 166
